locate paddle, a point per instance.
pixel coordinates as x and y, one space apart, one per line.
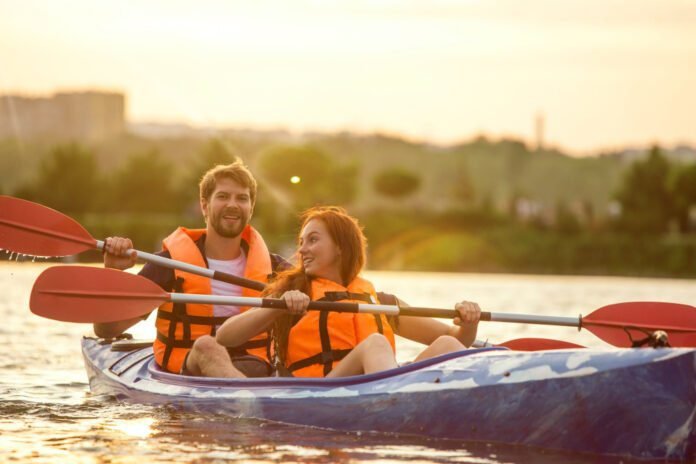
536 344
621 324
89 294
32 229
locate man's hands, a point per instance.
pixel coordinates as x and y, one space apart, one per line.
115 253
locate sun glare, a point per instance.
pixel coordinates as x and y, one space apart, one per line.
136 428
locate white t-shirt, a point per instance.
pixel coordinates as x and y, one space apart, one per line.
234 267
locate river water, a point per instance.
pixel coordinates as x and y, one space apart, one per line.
47 413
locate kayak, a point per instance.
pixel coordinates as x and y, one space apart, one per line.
638 403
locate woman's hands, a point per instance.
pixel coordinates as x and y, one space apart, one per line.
241 328
469 313
296 302
466 323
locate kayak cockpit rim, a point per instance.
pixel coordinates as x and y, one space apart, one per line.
175 379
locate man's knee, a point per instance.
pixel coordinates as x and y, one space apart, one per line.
207 345
377 341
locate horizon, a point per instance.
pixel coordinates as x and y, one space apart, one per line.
492 138
604 77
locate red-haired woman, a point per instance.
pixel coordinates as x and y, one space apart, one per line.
331 344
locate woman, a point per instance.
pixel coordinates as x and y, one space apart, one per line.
330 344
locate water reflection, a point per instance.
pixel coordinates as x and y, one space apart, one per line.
178 435
136 428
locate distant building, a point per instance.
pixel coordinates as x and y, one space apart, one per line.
88 115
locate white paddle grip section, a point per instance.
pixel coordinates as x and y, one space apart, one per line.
170 263
165 262
535 319
259 302
215 299
378 309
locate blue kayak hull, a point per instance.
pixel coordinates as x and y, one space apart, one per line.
629 402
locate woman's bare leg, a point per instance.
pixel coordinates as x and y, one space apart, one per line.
442 345
373 354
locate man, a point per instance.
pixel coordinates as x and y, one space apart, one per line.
185 332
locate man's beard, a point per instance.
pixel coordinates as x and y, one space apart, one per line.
230 231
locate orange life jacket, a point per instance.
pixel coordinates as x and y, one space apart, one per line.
179 325
320 339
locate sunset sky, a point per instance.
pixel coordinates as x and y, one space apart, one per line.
604 73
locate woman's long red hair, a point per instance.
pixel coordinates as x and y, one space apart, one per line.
347 234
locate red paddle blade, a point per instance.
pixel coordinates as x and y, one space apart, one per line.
33 229
538 344
90 294
623 323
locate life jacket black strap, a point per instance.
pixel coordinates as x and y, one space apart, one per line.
320 358
326 360
328 355
242 350
260 343
197 320
172 343
389 299
177 309
282 370
341 296
378 321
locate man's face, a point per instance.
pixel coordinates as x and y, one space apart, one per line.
229 208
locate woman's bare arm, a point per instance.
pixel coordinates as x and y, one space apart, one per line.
239 329
426 330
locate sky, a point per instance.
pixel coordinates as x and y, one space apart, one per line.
604 74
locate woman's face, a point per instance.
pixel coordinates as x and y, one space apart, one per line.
320 256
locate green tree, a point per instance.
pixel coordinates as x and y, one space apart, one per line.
646 200
308 175
565 220
396 182
145 185
67 180
684 189
215 152
463 190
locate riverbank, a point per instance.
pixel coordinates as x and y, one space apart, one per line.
463 242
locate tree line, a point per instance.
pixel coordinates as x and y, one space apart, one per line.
69 178
146 194
657 196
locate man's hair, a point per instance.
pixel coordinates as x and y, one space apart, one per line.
236 171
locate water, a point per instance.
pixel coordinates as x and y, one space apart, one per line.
47 413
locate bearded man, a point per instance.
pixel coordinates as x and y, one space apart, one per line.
185 342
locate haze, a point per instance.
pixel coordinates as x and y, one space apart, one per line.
604 74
